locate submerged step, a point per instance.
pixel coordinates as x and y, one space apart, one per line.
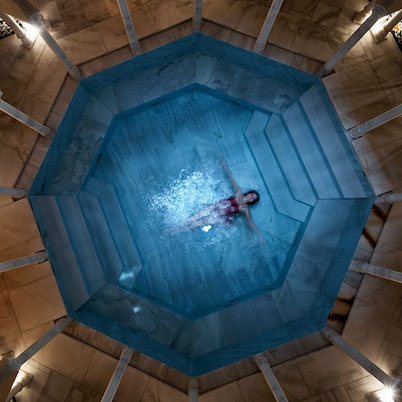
310 153
81 241
121 233
61 252
289 161
284 201
101 235
328 136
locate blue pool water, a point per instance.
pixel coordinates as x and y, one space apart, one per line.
165 164
139 151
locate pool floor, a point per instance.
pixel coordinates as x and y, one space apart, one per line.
165 164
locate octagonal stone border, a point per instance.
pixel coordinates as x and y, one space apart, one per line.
221 338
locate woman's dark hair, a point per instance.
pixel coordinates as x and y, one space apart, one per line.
253 192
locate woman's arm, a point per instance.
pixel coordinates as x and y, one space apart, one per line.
252 226
231 178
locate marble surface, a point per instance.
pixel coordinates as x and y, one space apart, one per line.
62 348
231 391
21 277
20 137
379 148
320 378
83 45
10 168
71 281
18 230
57 386
78 146
37 303
42 84
376 313
119 231
255 388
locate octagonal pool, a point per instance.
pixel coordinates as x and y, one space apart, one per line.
165 164
140 150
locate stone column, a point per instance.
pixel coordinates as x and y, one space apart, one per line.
265 368
9 367
23 118
375 270
389 198
26 7
378 12
267 26
117 375
129 26
24 261
386 28
363 14
197 16
367 364
193 390
21 35
36 20
13 192
42 341
8 374
375 122
25 381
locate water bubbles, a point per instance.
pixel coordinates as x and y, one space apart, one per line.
186 195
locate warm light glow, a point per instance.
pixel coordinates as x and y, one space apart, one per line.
206 228
20 376
31 32
386 395
380 24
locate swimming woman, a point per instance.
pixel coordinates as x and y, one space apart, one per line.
224 211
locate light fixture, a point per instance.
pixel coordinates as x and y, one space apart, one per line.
377 27
31 32
386 395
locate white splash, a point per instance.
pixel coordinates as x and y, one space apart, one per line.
187 195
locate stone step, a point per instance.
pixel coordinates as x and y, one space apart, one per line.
119 228
101 235
310 152
69 276
334 144
81 242
269 169
289 161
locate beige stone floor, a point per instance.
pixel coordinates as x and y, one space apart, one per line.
367 82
